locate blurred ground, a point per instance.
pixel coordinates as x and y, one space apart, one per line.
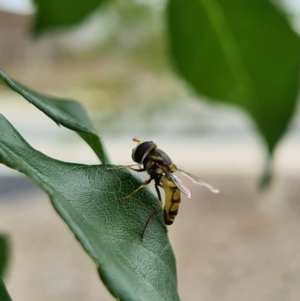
237 245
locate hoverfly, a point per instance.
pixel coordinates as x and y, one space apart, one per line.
161 169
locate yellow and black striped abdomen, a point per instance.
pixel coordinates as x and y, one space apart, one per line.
172 200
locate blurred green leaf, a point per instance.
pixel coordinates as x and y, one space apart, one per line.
4 296
55 14
88 199
4 254
68 113
239 52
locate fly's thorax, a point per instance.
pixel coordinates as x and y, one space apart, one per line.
173 167
153 169
158 161
161 157
159 171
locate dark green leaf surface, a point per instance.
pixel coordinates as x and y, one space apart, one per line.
4 296
56 14
240 52
87 198
4 254
68 113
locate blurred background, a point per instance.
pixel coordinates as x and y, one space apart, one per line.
239 245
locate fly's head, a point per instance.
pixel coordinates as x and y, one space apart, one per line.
142 150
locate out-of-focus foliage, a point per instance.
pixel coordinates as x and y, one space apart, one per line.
55 14
239 52
234 51
4 296
4 254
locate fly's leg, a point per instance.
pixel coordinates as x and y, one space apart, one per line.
138 170
148 220
154 212
158 191
143 185
128 167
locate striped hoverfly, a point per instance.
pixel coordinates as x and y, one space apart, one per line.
161 169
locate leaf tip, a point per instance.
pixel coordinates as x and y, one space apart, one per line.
267 176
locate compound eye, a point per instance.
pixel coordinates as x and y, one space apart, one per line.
140 152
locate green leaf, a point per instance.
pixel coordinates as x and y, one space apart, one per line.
4 296
4 254
239 52
68 113
87 197
55 14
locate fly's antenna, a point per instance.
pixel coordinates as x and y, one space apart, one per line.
135 139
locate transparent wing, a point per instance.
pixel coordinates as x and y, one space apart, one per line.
179 184
198 181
